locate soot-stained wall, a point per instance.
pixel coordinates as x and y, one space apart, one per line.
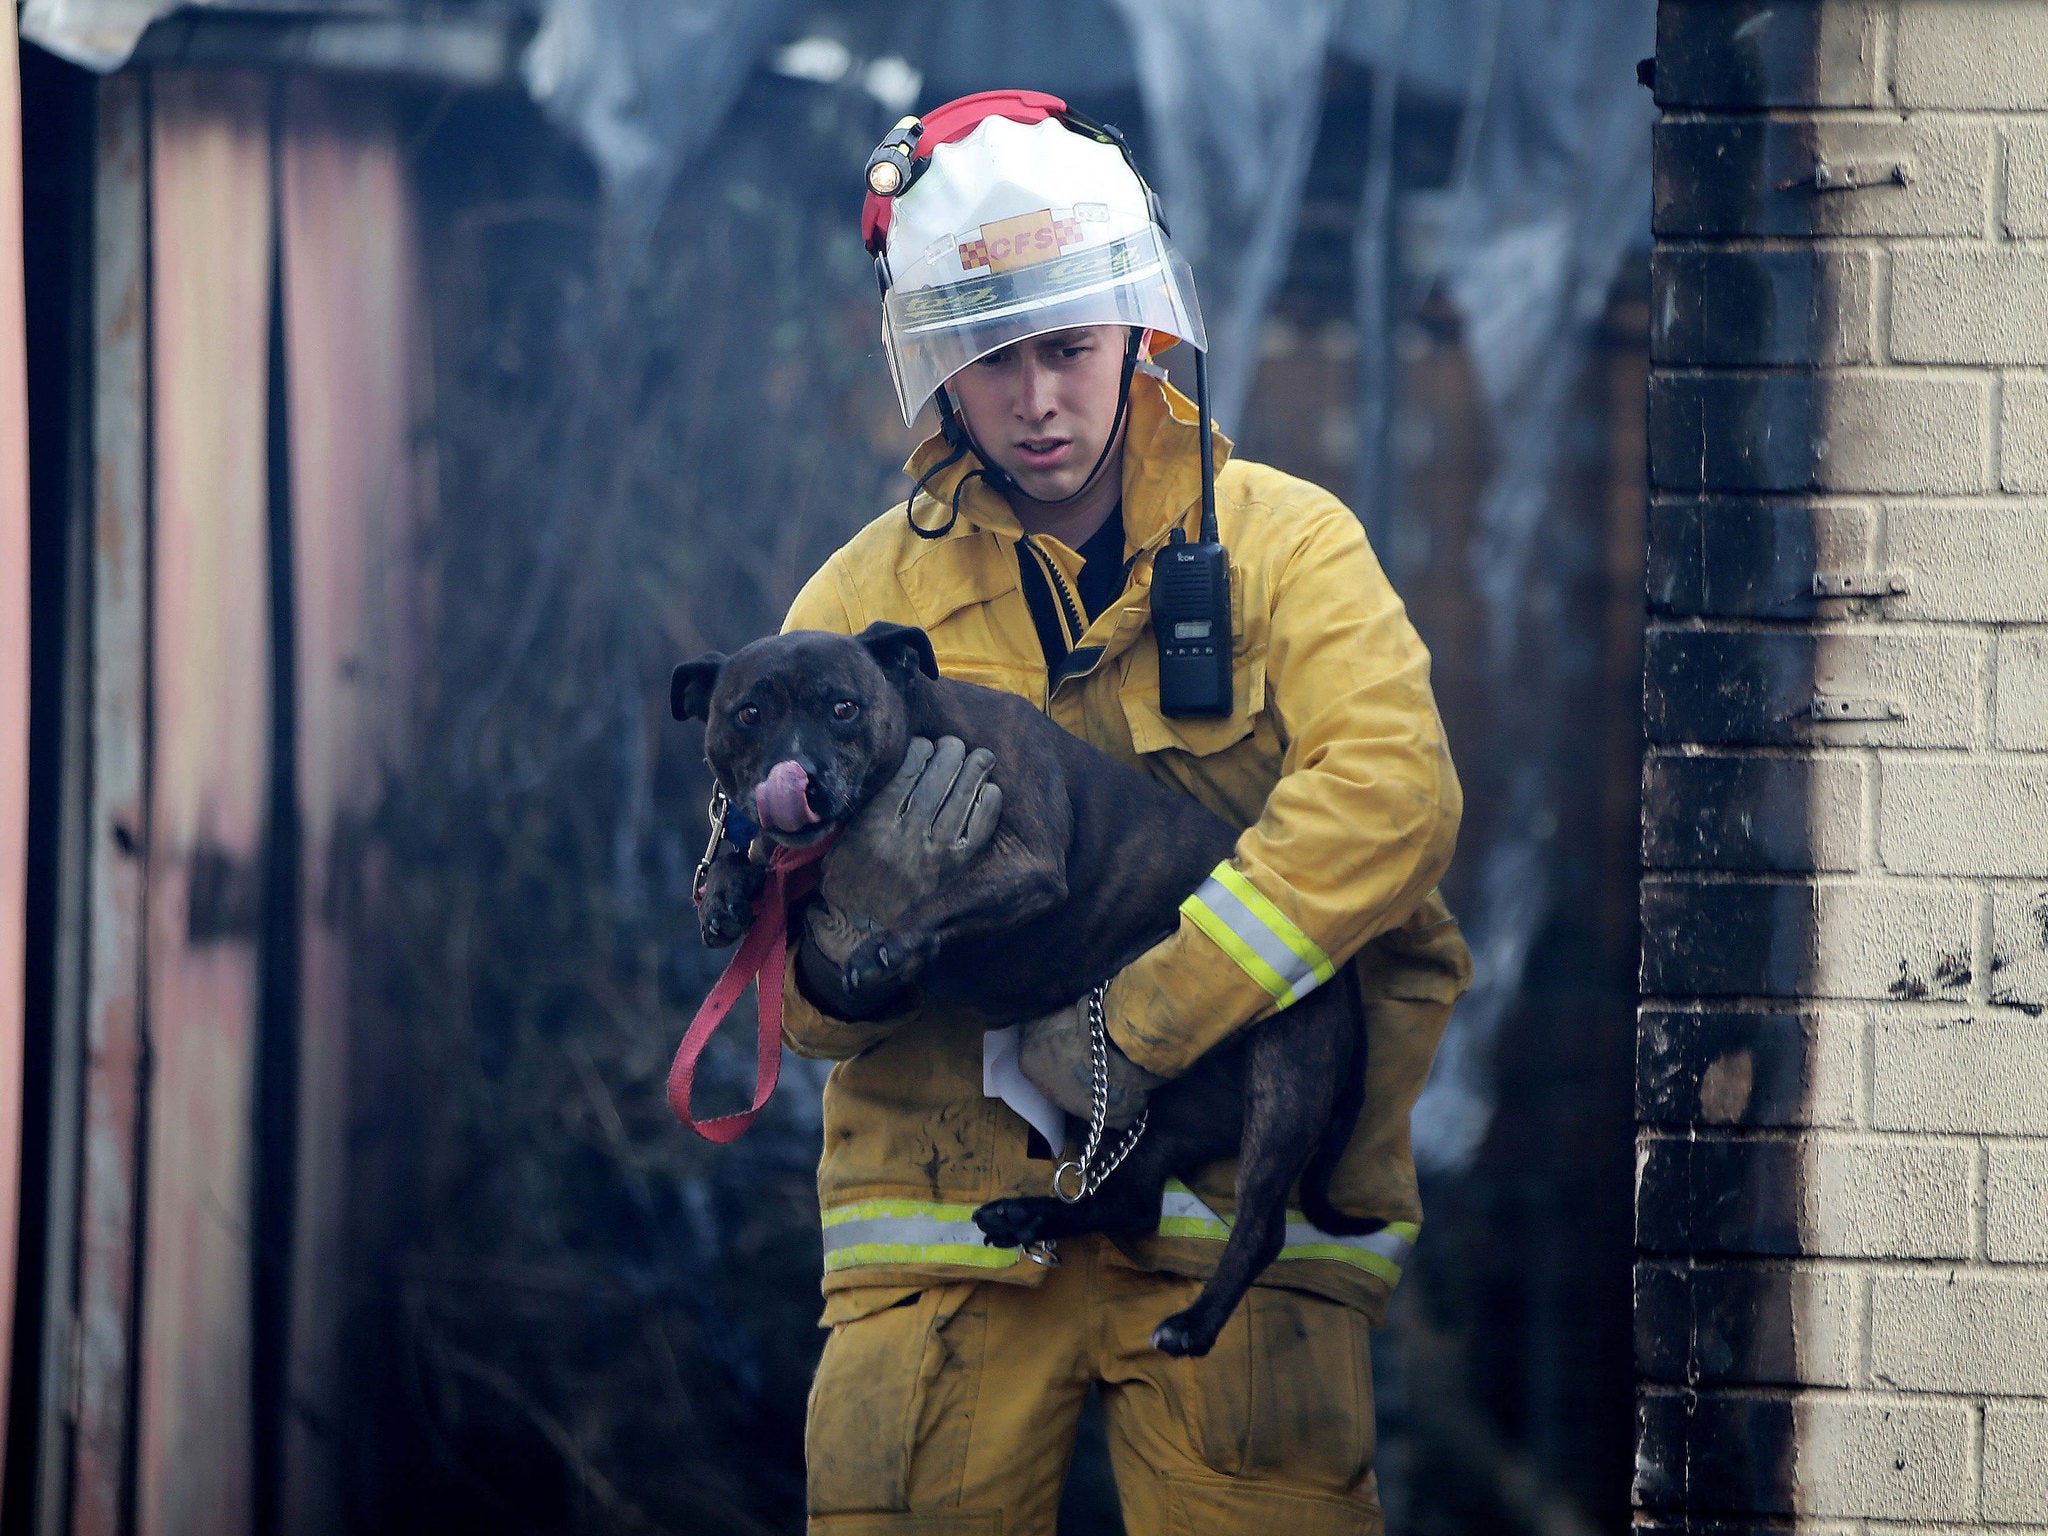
1842 1171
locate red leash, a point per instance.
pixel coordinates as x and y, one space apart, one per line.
792 875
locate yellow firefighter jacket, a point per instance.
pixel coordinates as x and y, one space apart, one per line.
1332 762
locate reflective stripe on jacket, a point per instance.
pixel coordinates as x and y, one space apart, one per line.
1332 762
872 1232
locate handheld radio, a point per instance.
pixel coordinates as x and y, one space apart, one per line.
1191 598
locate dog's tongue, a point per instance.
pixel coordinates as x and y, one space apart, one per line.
781 800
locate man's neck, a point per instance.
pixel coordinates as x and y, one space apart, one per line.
1074 522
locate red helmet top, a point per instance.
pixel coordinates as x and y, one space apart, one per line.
955 120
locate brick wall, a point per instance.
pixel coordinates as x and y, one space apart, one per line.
1842 1063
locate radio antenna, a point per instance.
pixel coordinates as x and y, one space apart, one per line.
1208 448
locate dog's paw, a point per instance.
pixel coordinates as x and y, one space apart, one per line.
1184 1336
730 888
720 923
881 963
1012 1223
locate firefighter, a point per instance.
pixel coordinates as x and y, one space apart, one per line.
1027 280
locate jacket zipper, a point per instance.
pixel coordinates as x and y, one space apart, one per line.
1070 612
1076 626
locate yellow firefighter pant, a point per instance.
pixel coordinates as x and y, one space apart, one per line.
952 1412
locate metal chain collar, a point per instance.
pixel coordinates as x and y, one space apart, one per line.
1086 1175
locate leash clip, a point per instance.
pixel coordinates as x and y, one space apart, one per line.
721 807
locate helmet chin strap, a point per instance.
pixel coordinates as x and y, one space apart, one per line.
954 426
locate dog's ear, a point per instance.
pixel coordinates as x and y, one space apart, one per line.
900 649
689 687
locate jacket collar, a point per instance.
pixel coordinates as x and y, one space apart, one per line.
1162 472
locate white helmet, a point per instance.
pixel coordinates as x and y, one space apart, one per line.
1012 216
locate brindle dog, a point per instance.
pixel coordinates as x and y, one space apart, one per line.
1088 867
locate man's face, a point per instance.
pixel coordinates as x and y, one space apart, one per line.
1043 408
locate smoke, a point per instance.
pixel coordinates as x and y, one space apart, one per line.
644 84
1553 190
1233 95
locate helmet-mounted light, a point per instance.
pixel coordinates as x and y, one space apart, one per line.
889 167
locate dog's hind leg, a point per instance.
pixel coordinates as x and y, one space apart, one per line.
1350 1100
1127 1204
1288 1086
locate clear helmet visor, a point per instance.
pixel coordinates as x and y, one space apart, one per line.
1028 282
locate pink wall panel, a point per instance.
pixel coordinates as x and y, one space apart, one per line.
13 671
211 250
109 1143
352 344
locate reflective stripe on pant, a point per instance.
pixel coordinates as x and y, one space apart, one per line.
954 1410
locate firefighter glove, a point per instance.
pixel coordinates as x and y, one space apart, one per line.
926 825
1055 1055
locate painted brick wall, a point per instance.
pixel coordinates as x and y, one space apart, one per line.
1842 1065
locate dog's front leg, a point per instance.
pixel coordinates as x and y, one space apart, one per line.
1009 885
731 887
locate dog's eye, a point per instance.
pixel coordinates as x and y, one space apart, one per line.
748 714
845 709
